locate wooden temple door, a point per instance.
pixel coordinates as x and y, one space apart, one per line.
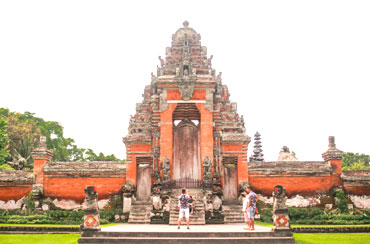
186 152
230 179
144 180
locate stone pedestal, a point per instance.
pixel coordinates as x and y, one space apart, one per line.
127 201
281 220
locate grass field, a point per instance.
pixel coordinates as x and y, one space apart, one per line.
39 239
332 238
293 225
72 239
50 225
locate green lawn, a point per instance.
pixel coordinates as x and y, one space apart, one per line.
37 225
72 238
294 225
50 225
39 239
329 225
332 238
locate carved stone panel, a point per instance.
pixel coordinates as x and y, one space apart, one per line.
143 191
186 151
230 183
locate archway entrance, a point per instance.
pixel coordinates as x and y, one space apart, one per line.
186 142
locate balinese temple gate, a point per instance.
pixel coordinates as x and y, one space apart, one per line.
186 132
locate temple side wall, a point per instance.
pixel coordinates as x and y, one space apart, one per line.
297 177
67 188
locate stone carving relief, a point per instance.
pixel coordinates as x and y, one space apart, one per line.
166 167
186 90
163 105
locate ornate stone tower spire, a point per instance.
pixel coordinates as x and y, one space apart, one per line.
257 152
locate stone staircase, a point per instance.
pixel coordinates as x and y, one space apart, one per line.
233 214
185 237
198 218
140 213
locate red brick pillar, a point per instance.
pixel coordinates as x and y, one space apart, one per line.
206 134
334 157
41 156
166 130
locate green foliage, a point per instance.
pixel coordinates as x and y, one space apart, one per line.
342 202
60 217
316 216
355 161
4 140
332 238
265 214
24 131
5 167
30 204
356 166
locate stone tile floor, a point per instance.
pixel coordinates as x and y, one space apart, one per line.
194 228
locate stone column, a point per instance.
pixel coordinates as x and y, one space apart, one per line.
41 155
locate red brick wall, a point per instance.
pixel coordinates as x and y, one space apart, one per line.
73 188
14 190
294 185
175 95
355 189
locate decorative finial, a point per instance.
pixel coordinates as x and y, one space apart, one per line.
186 24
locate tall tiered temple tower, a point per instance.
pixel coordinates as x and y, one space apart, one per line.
186 119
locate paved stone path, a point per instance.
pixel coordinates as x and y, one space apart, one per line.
194 228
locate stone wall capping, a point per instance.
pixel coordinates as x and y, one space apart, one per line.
18 176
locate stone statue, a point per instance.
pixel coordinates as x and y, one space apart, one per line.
186 72
128 189
279 198
216 202
91 210
166 166
207 166
280 213
193 71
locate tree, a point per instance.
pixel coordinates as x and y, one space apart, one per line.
23 138
24 131
355 161
4 140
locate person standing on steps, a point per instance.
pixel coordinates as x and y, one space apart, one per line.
191 204
184 208
249 208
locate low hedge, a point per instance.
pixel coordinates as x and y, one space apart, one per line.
53 217
319 216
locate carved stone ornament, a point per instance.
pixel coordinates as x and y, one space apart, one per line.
186 90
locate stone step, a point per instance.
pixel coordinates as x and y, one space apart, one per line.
140 213
183 236
211 240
